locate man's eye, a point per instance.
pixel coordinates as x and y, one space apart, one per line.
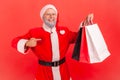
47 14
50 14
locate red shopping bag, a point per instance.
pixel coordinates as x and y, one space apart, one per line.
84 57
80 50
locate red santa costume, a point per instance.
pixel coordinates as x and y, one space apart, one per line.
50 50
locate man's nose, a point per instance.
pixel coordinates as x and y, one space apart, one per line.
51 15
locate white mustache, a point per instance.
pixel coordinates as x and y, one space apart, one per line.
51 19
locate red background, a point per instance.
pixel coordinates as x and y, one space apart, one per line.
18 16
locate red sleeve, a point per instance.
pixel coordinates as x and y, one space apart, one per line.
16 39
72 36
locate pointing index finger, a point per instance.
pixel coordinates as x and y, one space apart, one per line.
38 39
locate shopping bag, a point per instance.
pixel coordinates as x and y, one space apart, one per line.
84 57
80 52
93 48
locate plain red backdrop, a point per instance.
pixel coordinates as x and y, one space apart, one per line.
18 16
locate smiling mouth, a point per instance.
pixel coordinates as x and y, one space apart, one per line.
51 20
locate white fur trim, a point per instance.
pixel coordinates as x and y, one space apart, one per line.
56 73
45 8
56 54
21 45
62 32
55 46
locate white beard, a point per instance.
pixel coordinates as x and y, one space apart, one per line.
49 24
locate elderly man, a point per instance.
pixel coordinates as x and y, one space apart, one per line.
49 43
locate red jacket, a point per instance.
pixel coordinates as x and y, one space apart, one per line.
44 52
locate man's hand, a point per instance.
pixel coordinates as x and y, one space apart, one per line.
88 20
32 42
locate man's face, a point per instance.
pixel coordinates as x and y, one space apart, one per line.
50 17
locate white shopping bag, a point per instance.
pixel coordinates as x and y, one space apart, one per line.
97 48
